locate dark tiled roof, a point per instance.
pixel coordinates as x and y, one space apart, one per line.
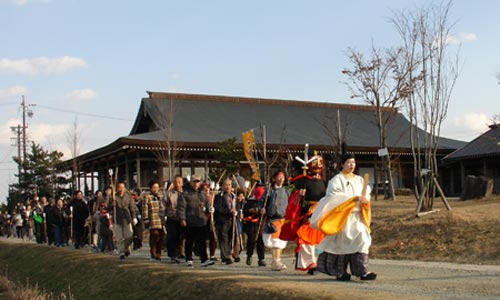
485 145
200 121
210 119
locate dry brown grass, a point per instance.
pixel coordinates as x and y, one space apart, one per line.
12 291
467 234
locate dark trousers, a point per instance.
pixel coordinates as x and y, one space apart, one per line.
174 237
336 264
58 235
156 237
223 234
196 236
39 236
138 232
50 234
106 243
251 231
79 233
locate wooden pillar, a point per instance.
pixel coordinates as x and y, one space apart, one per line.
138 170
127 172
485 168
375 175
117 167
92 187
207 171
462 174
78 181
100 182
85 182
108 175
452 180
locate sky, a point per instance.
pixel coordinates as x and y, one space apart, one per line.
91 62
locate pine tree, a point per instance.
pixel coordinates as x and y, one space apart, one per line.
39 176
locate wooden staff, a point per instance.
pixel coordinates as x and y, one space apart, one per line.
251 190
261 218
235 219
212 221
44 225
234 230
71 224
113 197
89 226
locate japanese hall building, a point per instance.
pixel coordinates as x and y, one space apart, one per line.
479 157
189 126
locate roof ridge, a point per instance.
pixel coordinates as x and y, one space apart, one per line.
235 99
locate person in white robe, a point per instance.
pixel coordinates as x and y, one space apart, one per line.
344 216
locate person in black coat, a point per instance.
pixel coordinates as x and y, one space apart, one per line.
59 220
80 215
48 211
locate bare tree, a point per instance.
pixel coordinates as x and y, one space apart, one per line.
433 72
73 138
271 158
337 128
168 148
378 81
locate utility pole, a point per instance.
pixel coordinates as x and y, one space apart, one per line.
21 139
26 112
17 142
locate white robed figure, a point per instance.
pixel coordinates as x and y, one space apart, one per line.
344 216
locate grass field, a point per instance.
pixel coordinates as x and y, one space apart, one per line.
469 233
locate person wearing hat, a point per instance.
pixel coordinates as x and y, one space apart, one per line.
275 218
309 189
194 213
346 244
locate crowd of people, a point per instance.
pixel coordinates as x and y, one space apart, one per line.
192 218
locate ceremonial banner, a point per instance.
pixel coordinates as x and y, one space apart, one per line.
249 150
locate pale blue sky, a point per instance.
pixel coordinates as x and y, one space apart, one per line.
100 57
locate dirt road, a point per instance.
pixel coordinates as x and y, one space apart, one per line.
396 279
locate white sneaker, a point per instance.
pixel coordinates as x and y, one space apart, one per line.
278 267
207 262
188 263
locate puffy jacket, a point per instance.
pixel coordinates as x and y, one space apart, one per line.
193 206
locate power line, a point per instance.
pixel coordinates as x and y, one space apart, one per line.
82 113
9 103
6 156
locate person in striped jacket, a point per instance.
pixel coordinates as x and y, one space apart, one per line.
153 211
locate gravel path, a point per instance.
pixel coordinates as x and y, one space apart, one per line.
396 279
